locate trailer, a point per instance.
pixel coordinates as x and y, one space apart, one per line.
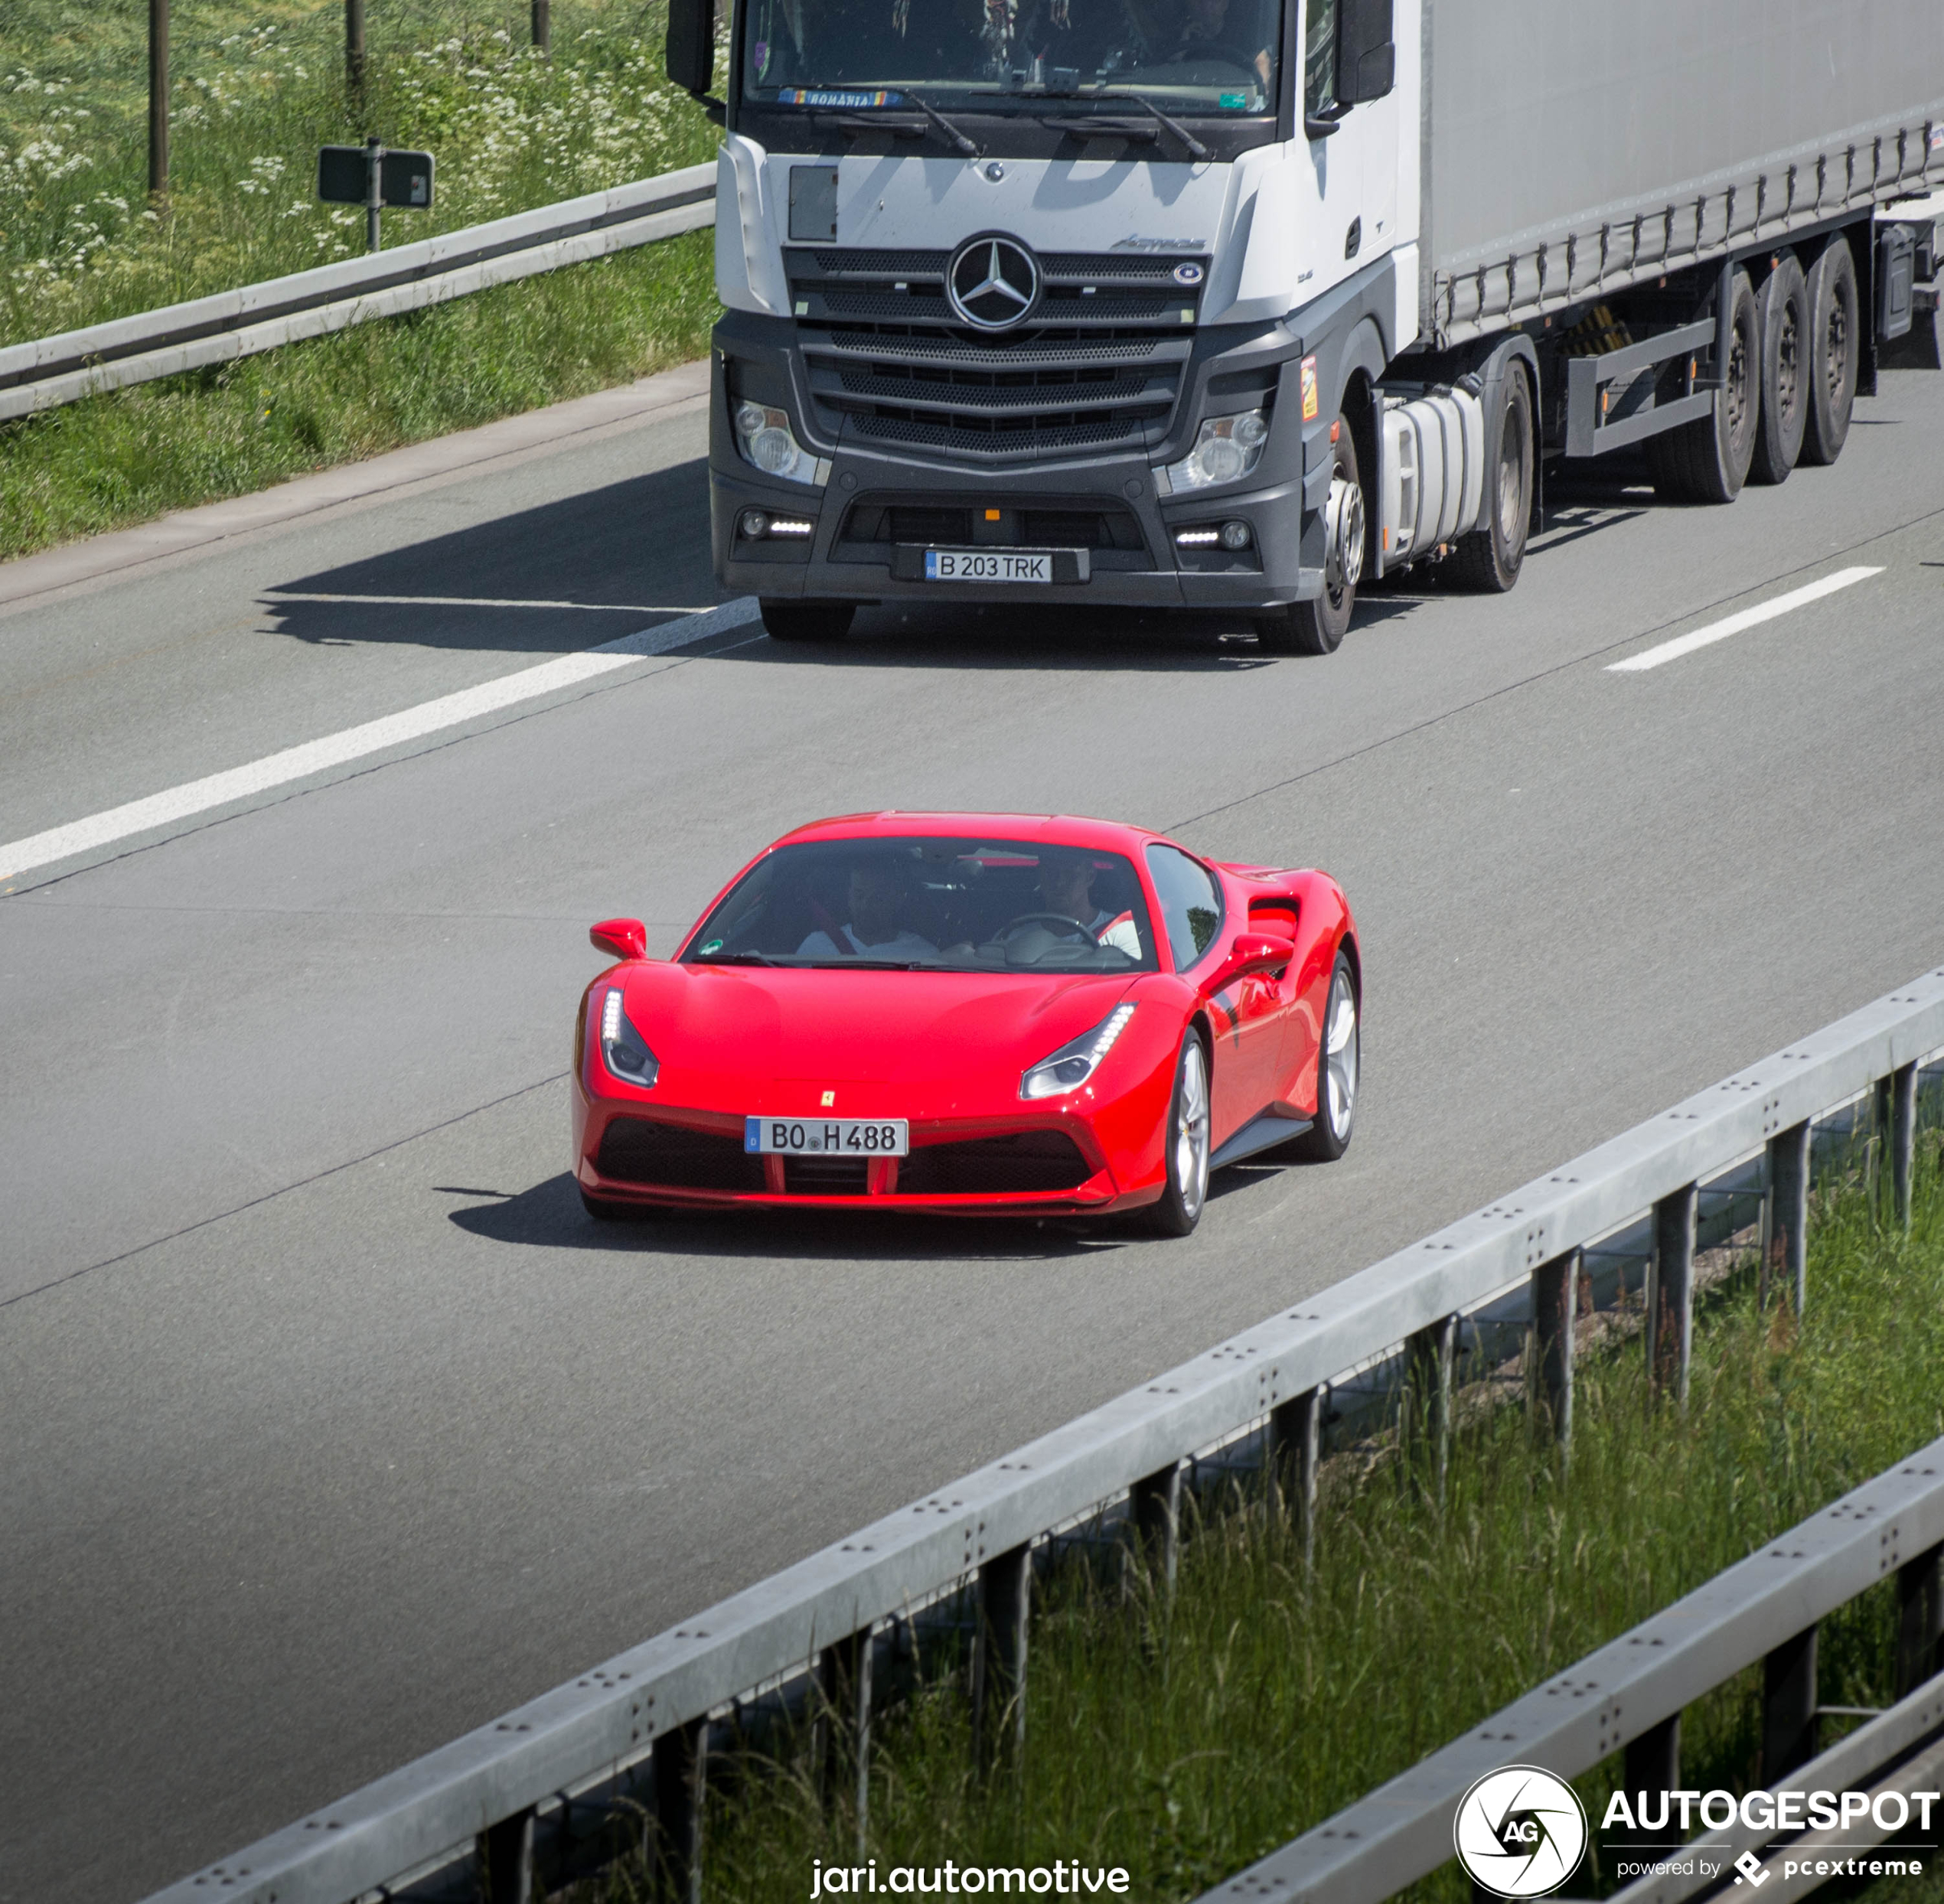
1233 304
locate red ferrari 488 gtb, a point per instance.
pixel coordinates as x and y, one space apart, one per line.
971 1013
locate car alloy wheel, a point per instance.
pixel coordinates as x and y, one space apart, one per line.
1185 1145
1340 1057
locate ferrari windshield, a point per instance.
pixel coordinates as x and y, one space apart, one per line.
934 904
1048 57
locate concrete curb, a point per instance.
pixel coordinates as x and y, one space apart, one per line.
29 580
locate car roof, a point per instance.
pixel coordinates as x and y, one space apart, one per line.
1060 829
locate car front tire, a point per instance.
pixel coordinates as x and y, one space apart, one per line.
1185 1140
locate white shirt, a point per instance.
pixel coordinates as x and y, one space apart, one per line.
907 945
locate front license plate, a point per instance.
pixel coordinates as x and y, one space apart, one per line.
821 1136
988 564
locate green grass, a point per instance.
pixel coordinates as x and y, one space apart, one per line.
1183 1741
257 89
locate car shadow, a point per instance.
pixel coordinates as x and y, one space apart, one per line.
549 1216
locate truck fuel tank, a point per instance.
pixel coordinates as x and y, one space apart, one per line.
1433 470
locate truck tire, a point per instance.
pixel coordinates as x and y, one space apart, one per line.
1707 460
1783 306
1835 345
1317 626
1489 560
807 620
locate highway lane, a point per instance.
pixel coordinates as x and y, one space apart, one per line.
358 1433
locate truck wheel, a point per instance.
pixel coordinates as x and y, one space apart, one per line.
1317 626
1489 561
1783 307
1835 343
807 620
1707 460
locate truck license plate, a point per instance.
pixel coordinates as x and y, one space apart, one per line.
825 1136
988 564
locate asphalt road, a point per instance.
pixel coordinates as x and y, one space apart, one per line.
333 1428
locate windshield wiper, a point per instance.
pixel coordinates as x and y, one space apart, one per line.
1196 149
934 121
734 958
953 136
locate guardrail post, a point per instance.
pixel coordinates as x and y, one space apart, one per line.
1788 1212
999 1656
1920 1620
681 1761
1154 1507
505 1860
1555 1306
1296 1428
1429 1358
1671 1303
1903 1139
1788 1704
1652 1763
843 1749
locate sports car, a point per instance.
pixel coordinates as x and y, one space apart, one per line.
970 1014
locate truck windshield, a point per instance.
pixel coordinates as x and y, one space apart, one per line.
1042 56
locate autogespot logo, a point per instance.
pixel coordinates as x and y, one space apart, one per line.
993 282
1520 1831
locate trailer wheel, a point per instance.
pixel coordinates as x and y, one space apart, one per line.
807 620
1707 460
1784 310
1490 559
1317 626
1835 344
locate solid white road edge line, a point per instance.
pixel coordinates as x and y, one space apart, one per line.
354 743
1715 631
275 598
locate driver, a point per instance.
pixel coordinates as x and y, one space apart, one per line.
1205 25
876 927
1066 884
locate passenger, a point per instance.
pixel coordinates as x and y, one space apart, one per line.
875 929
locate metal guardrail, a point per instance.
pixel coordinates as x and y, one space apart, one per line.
49 371
1630 1693
658 1697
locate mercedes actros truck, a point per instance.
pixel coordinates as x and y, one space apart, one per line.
1237 304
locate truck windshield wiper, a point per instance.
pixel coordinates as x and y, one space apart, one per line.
899 126
1196 149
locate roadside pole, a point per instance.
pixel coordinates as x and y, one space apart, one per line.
158 97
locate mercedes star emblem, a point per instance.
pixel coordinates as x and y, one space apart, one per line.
993 283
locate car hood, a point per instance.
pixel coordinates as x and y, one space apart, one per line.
752 1039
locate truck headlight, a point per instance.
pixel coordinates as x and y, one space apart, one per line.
764 436
1070 1067
1226 449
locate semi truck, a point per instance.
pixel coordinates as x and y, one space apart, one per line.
1239 305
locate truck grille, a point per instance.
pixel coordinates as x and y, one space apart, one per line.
1097 368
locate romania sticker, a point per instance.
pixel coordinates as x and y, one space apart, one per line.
846 102
1310 405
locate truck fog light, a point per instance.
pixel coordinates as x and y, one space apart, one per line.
764 439
1235 535
1226 449
752 525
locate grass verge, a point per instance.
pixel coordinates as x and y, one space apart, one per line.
128 455
257 89
1183 1741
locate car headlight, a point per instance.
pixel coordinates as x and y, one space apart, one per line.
1071 1065
623 1050
1226 449
767 443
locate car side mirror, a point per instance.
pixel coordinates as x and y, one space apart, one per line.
1366 53
1252 952
623 938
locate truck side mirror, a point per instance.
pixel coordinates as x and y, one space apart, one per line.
1366 55
692 43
